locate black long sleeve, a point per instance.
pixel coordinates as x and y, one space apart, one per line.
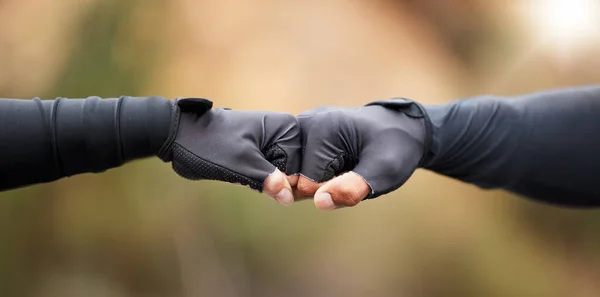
45 140
544 145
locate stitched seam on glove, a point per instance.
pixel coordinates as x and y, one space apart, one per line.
376 194
165 152
428 135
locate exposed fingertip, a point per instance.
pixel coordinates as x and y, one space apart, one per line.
323 201
293 179
284 197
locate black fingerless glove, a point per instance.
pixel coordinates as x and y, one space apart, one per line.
384 142
244 147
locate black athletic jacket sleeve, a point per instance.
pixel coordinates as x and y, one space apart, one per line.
544 145
44 140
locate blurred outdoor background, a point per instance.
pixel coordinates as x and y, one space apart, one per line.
141 231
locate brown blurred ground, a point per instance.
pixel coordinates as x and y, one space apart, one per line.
141 231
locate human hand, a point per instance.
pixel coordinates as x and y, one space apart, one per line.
251 148
352 154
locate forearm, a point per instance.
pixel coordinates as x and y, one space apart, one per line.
543 145
42 141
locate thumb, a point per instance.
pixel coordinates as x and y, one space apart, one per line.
345 190
277 186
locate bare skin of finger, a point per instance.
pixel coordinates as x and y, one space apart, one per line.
306 188
293 180
278 187
346 190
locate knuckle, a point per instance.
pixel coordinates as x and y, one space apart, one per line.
390 166
286 125
294 128
306 188
346 196
324 125
345 201
387 162
286 118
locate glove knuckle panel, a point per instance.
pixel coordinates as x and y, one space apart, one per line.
285 118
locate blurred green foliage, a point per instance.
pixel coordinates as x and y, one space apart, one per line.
140 230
